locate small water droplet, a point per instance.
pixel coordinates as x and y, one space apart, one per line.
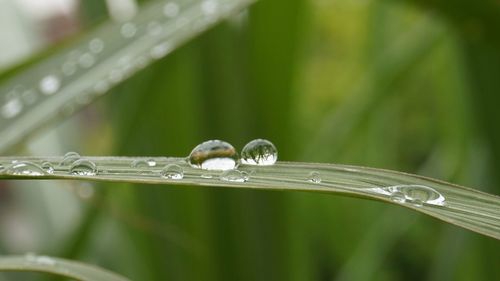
41 260
314 177
128 30
170 10
48 167
161 50
209 7
139 163
86 60
69 68
50 84
69 158
12 108
259 152
83 167
116 75
154 28
173 172
416 195
151 162
206 175
234 176
214 155
25 168
96 45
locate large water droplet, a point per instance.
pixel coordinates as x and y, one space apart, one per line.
259 152
173 172
50 84
314 177
128 30
214 155
416 195
69 158
234 176
170 10
25 168
12 108
48 167
83 167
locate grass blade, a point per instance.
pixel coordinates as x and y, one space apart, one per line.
72 78
465 207
57 266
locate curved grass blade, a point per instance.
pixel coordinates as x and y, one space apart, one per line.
72 78
66 268
465 207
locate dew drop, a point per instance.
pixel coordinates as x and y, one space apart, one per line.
12 108
47 167
41 260
49 84
86 60
173 172
25 168
234 176
416 195
101 87
209 7
314 177
214 155
139 163
69 158
171 10
206 175
83 167
96 45
151 162
128 30
29 96
161 50
154 28
259 152
69 68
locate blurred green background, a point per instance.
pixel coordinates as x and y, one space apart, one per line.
405 85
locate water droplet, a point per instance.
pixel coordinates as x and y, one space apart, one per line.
214 155
116 75
128 30
69 158
259 152
151 162
416 195
209 7
83 167
69 68
173 172
12 108
234 176
29 96
25 168
139 163
206 175
96 45
49 84
171 10
41 260
101 87
161 50
314 177
86 60
154 28
47 167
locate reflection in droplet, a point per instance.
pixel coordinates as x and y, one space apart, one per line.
49 84
96 45
170 10
83 167
151 162
69 158
25 168
234 176
214 155
48 167
12 108
416 195
128 30
173 172
259 152
314 177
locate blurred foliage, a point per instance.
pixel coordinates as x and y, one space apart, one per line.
411 86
